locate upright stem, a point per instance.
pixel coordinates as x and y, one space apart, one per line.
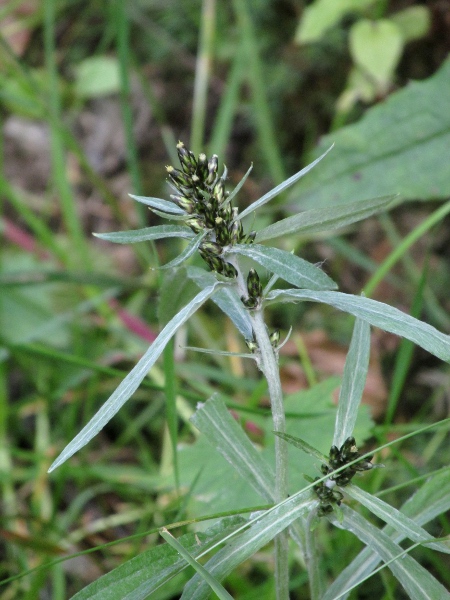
268 364
269 367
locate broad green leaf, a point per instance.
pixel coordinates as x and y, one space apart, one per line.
132 381
413 22
414 578
226 298
324 219
378 314
135 579
243 546
203 573
281 187
321 15
397 520
213 419
146 234
302 445
163 205
353 382
397 147
376 47
190 249
431 500
289 267
97 76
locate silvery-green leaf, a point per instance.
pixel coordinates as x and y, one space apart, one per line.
215 585
226 298
160 204
146 234
132 381
353 382
431 500
137 578
190 249
237 188
415 579
376 313
213 419
324 219
244 545
289 267
397 520
283 186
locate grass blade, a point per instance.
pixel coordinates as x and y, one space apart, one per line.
209 579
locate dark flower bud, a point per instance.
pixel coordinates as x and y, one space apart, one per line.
219 191
211 248
213 164
178 177
236 232
185 203
196 224
229 271
275 338
186 158
250 238
202 167
251 345
249 302
254 286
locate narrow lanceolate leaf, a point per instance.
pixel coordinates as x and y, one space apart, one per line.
397 520
238 187
431 500
243 546
289 267
324 219
414 578
132 381
146 234
190 249
283 186
226 298
160 204
378 314
302 445
142 575
213 419
353 382
203 573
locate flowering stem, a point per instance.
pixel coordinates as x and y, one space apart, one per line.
268 364
269 367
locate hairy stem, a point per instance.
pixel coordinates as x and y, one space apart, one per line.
268 364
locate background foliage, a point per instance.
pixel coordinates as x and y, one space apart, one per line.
93 98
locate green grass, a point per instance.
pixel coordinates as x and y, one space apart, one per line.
64 347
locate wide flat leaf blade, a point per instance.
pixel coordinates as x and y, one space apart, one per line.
132 381
213 419
289 267
146 234
142 575
397 147
244 545
353 382
282 186
324 219
378 314
160 204
414 578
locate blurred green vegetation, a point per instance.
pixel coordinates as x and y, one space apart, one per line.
93 97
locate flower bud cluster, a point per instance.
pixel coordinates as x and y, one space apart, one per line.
254 290
339 457
200 191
